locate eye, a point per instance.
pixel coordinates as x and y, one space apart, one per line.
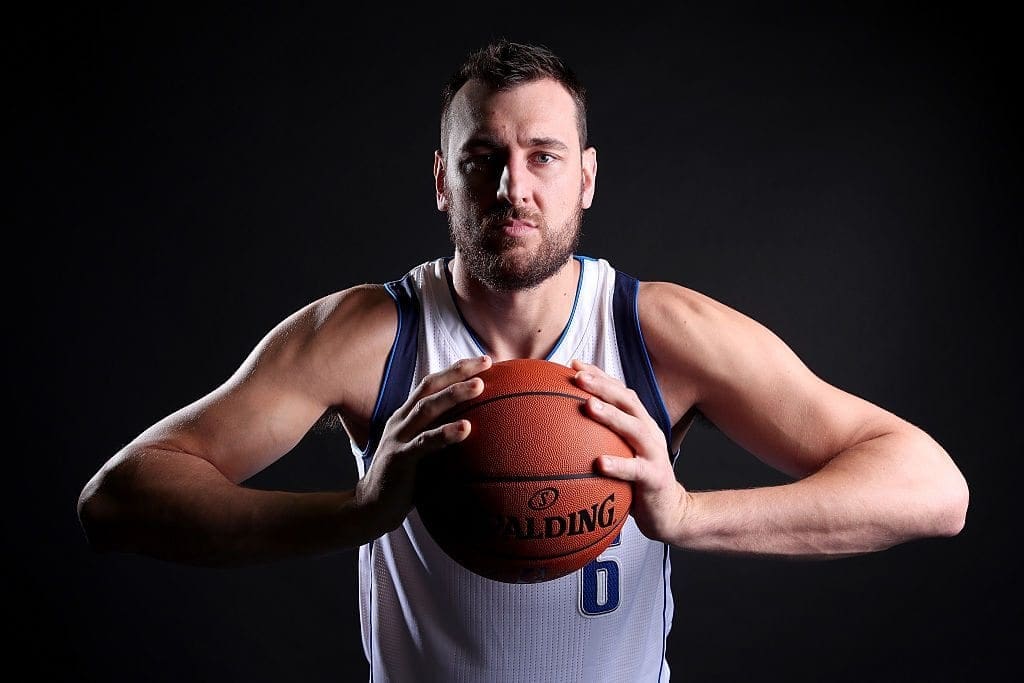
480 162
545 158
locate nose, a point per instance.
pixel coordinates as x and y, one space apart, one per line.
514 186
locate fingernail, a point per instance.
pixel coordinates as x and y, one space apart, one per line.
596 404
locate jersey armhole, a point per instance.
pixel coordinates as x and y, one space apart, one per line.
636 361
401 364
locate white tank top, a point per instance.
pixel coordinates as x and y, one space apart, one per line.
426 618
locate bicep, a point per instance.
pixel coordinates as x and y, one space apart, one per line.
747 381
326 356
241 427
763 397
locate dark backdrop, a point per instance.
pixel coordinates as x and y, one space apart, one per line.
184 180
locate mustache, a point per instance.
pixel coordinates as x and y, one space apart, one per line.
504 212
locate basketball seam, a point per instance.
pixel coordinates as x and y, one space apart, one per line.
454 413
468 479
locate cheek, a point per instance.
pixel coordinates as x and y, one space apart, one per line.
568 195
480 186
478 196
467 201
467 186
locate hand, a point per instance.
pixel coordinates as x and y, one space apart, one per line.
659 500
386 491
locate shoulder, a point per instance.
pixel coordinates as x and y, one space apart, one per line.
359 313
671 311
674 320
695 340
680 320
335 347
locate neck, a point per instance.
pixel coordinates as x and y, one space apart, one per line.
519 324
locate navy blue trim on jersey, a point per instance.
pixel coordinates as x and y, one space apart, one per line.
398 373
636 362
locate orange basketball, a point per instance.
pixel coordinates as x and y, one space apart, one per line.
519 500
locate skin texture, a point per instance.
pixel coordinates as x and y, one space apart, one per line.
864 479
513 157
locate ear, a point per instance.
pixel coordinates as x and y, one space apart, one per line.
442 201
589 176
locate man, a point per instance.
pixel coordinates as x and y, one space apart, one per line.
514 175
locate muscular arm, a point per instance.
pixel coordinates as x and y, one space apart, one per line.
174 492
865 479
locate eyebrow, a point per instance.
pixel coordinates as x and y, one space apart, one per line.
488 141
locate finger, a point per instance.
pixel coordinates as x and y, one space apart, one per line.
431 440
634 430
438 381
627 469
610 390
579 365
426 411
459 371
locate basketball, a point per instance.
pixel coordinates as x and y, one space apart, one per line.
519 500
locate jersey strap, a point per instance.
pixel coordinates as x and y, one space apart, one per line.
398 373
636 363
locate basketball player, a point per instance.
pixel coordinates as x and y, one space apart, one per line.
514 175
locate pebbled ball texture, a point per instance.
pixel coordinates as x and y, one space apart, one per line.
519 500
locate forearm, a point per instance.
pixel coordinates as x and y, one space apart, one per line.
880 493
180 508
778 521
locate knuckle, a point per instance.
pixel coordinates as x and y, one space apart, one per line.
429 382
435 380
458 392
448 393
422 441
421 390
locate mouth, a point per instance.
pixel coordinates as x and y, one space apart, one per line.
515 227
517 223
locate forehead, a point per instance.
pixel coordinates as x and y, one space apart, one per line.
537 109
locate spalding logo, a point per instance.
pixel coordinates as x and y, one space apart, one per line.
597 516
544 498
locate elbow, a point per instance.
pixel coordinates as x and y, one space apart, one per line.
952 516
944 499
93 516
101 507
935 493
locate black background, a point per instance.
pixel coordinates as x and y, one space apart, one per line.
184 180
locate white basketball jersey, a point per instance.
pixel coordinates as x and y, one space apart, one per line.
425 617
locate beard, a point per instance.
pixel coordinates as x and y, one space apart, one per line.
494 259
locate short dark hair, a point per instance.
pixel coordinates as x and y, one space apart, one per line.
503 65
